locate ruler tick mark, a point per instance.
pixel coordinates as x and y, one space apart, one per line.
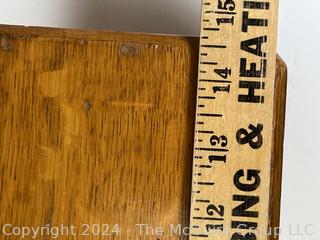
207 218
203 166
205 183
215 81
200 235
211 29
209 115
204 131
213 46
228 13
212 149
206 97
208 63
202 201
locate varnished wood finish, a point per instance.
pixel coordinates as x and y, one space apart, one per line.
278 136
97 127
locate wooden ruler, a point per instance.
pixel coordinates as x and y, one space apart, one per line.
234 116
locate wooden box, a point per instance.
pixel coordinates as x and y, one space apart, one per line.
97 128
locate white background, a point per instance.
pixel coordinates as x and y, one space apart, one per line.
299 45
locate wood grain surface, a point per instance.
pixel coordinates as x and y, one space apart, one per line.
97 128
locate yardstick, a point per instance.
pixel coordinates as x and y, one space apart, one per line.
234 115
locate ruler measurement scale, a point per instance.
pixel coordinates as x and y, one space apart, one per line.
233 127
